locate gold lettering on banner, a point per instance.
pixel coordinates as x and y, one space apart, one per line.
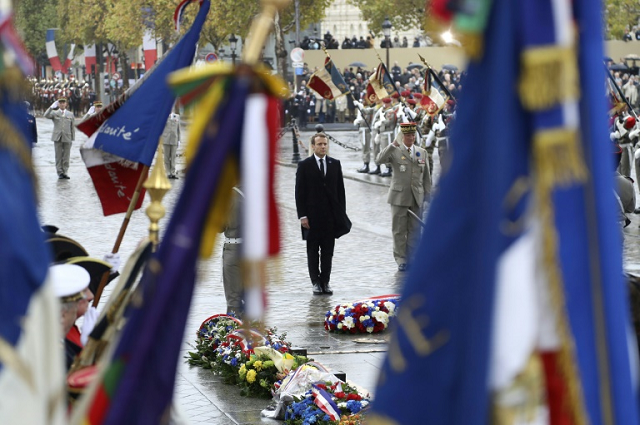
413 327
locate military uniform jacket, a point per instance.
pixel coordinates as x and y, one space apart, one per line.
171 133
64 129
411 179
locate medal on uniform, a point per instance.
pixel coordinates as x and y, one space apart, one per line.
403 168
403 158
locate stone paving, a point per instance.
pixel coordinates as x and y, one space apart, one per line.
363 267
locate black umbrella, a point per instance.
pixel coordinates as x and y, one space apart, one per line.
619 67
358 64
449 67
414 65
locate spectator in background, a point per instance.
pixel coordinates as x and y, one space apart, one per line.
369 42
405 42
416 42
361 43
396 71
350 105
346 44
341 108
331 110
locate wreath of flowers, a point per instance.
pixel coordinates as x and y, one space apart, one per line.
367 316
243 357
304 410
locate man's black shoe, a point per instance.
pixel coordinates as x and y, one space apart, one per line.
376 171
386 173
326 288
364 169
64 176
317 289
636 211
60 176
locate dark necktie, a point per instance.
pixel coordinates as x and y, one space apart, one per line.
322 166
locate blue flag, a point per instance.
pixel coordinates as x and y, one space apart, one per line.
522 232
138 385
133 131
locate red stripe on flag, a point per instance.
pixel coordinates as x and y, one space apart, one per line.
115 185
557 390
150 58
319 86
55 63
99 407
273 125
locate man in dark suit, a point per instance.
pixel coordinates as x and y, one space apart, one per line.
321 205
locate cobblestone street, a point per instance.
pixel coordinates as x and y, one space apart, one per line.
363 267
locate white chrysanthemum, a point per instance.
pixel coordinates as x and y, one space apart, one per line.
370 329
341 310
330 318
390 306
348 322
339 325
381 317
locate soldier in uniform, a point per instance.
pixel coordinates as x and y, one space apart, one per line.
170 139
385 124
95 108
231 276
69 283
365 134
410 187
64 133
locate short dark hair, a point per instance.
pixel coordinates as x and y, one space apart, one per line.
313 138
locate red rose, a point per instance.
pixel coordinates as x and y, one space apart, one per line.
340 395
353 397
322 386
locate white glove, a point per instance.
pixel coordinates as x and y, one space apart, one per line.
439 126
358 104
54 105
614 136
376 139
377 125
90 319
430 138
114 260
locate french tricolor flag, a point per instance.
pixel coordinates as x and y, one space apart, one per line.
89 56
323 400
52 53
150 48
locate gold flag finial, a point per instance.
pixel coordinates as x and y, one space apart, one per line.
260 30
157 185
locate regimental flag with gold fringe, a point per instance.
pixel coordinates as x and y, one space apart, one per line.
232 138
31 359
327 81
435 94
124 136
520 313
380 84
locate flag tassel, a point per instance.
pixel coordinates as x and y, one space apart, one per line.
549 76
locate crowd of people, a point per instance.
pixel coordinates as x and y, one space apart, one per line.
306 106
362 42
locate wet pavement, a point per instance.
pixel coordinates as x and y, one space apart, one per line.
363 267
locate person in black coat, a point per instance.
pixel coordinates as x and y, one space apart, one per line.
321 206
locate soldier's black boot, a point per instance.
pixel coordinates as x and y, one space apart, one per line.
365 168
376 171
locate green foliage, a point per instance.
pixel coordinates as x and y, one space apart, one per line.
621 15
32 19
403 14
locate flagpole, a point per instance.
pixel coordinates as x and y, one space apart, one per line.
324 49
123 229
619 90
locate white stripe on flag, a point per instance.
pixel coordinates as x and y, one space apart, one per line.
255 179
523 320
149 40
36 393
90 50
51 49
71 52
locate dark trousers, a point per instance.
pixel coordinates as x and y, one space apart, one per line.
319 257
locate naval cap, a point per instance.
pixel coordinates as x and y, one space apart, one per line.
69 281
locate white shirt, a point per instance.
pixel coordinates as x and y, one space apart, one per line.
324 159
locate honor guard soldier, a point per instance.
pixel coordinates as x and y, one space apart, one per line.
171 139
69 283
410 187
64 133
364 121
95 109
385 123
